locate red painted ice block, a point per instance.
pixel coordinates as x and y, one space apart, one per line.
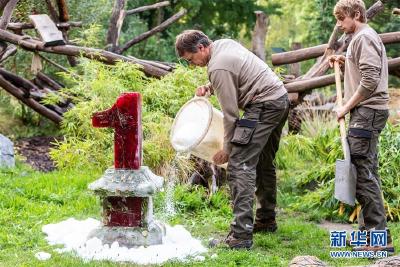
125 116
123 211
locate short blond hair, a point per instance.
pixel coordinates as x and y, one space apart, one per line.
349 8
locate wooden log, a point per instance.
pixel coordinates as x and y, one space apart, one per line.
307 84
38 82
18 26
52 83
321 81
153 31
259 35
18 81
30 102
114 28
396 11
298 55
149 7
377 7
30 44
47 30
8 52
316 51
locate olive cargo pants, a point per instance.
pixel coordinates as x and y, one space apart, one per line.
251 168
363 136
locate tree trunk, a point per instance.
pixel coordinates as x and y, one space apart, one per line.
259 35
114 28
294 68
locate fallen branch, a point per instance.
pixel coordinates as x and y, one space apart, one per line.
30 44
396 11
153 31
149 7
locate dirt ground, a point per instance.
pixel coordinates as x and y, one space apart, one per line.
35 151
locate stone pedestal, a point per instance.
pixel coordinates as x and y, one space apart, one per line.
126 196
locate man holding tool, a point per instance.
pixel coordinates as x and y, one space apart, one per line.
243 81
366 98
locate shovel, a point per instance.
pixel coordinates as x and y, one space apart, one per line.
345 174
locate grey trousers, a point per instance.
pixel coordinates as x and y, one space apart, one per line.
363 136
251 169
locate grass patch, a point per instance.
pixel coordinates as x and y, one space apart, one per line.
30 199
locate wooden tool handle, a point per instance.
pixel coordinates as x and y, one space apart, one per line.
340 104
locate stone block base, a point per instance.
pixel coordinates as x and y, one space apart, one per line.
131 236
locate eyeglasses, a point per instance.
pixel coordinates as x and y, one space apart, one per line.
188 60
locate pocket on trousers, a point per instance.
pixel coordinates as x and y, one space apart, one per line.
359 142
244 131
380 118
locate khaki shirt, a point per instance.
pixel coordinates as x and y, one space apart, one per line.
238 78
366 69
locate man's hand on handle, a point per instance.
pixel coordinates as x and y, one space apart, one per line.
203 90
339 58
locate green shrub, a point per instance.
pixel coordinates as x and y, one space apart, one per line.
96 87
307 163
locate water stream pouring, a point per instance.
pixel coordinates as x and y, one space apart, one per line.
198 129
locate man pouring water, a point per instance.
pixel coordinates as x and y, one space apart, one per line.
242 81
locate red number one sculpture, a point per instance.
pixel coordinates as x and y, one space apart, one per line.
125 117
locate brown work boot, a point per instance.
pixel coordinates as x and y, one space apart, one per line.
238 243
267 226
